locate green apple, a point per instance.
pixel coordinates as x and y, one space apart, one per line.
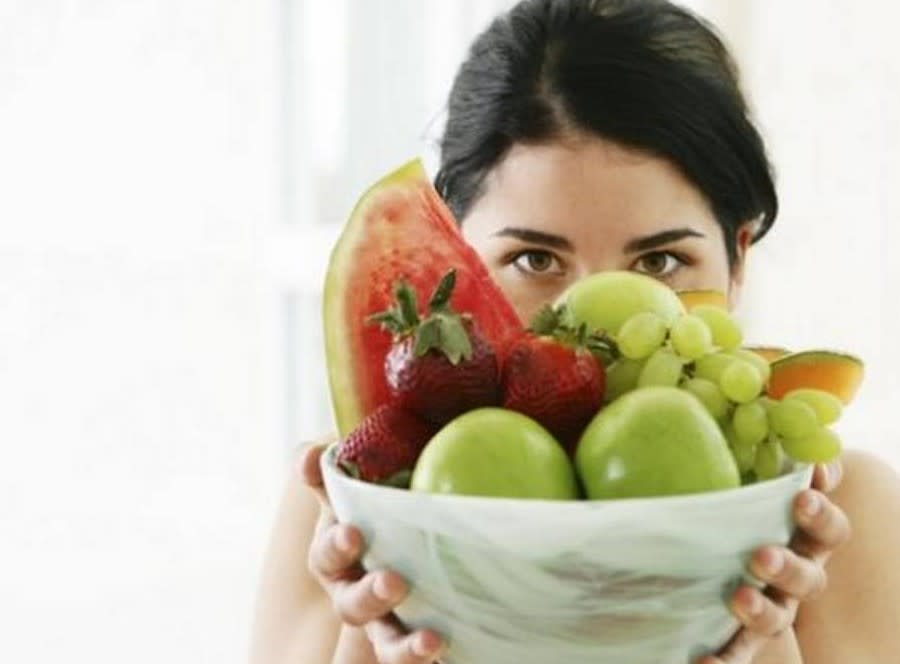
654 441
605 300
495 452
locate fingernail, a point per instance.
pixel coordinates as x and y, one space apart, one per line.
753 605
772 562
425 645
382 589
810 504
343 541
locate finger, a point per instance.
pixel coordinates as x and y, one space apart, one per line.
827 477
760 614
823 525
741 649
334 553
793 575
393 645
309 470
372 597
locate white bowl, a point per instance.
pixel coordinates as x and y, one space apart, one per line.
636 581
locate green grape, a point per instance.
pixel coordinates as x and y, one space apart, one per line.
641 334
711 366
691 337
726 333
741 382
827 406
663 368
621 377
751 425
793 419
769 459
709 394
744 452
761 364
820 447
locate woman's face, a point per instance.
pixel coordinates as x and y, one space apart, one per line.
553 213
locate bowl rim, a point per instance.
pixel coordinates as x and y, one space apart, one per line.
330 470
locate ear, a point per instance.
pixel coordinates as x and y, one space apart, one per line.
743 240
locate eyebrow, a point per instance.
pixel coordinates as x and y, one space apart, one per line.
537 237
659 239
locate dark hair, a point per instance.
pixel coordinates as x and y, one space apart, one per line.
643 73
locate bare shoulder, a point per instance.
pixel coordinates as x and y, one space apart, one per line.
865 473
869 494
855 619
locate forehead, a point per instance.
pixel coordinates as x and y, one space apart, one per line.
586 187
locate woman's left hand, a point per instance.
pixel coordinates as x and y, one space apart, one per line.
792 574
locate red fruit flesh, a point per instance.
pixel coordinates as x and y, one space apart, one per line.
400 230
559 386
437 390
384 448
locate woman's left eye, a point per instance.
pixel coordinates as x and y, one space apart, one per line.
659 263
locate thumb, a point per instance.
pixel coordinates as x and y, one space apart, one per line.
740 650
309 468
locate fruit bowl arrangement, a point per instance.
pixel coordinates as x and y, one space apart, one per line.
586 489
642 580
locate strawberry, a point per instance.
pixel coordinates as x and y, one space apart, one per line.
385 446
550 375
440 366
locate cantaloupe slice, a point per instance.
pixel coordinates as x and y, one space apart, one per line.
838 373
769 353
693 298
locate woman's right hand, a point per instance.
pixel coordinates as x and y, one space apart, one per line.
360 598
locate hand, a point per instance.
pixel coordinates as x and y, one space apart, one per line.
361 599
793 574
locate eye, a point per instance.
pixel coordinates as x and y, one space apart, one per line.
536 261
659 263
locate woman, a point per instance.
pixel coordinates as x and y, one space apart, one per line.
589 136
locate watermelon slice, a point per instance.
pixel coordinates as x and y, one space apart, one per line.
399 229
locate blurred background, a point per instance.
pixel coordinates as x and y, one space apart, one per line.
174 173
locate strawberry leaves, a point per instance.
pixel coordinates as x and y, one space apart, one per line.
442 329
552 321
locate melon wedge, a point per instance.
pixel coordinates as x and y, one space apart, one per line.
838 373
399 229
694 298
769 353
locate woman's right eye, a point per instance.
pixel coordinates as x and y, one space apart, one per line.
537 262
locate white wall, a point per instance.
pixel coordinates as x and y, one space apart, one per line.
140 418
174 173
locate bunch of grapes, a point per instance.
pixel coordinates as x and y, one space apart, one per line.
701 352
